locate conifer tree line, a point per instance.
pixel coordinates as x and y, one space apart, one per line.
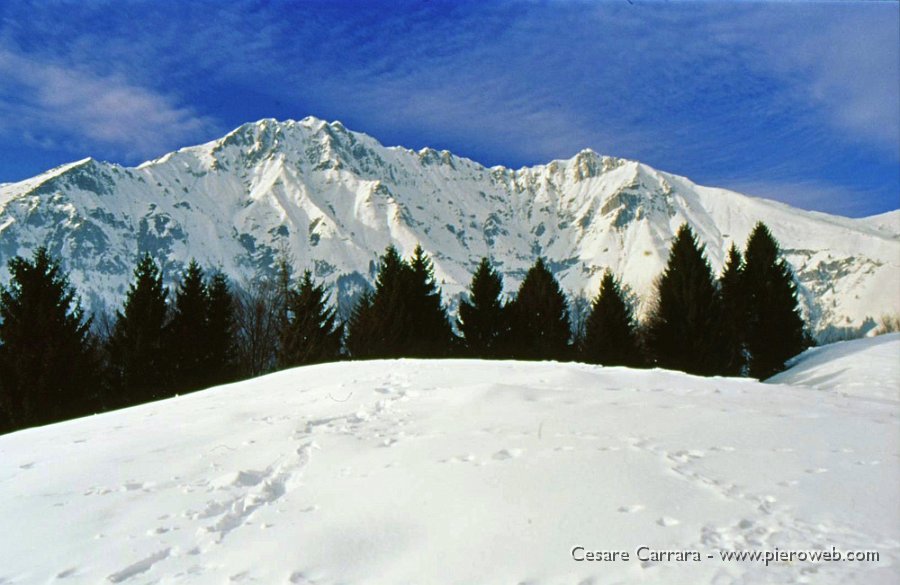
57 363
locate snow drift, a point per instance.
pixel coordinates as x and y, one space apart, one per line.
468 472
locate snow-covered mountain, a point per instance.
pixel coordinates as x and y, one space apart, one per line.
334 199
465 471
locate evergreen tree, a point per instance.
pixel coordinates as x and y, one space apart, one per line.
610 333
482 319
734 313
775 329
684 328
540 327
404 316
187 333
221 351
390 305
141 362
430 334
47 366
362 327
310 334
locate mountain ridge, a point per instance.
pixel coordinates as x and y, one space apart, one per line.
334 199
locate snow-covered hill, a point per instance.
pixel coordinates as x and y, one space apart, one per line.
468 472
335 199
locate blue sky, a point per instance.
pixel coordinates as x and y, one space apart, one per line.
798 102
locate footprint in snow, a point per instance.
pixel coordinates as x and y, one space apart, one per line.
631 509
817 470
459 459
508 454
685 456
667 521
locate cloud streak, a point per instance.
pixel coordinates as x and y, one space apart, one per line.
50 104
841 59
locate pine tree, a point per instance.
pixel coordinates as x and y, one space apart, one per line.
310 334
47 365
482 319
404 316
684 331
430 334
186 335
362 327
734 313
775 329
540 327
220 365
141 362
390 305
610 331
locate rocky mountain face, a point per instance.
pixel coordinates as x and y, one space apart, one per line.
333 199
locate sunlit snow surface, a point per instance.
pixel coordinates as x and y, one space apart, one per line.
333 199
467 472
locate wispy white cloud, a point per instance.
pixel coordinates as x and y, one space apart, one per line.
813 195
790 94
51 105
843 61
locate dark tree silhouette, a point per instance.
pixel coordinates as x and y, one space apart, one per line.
220 364
539 317
404 316
775 329
48 369
187 332
610 331
310 334
362 327
430 333
390 306
258 318
684 328
141 360
734 313
482 317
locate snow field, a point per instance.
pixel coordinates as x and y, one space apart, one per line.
464 471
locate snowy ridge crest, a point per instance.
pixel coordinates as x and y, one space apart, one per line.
335 199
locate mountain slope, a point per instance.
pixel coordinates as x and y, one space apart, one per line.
463 471
335 199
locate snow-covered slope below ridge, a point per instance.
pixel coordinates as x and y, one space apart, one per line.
335 199
468 472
